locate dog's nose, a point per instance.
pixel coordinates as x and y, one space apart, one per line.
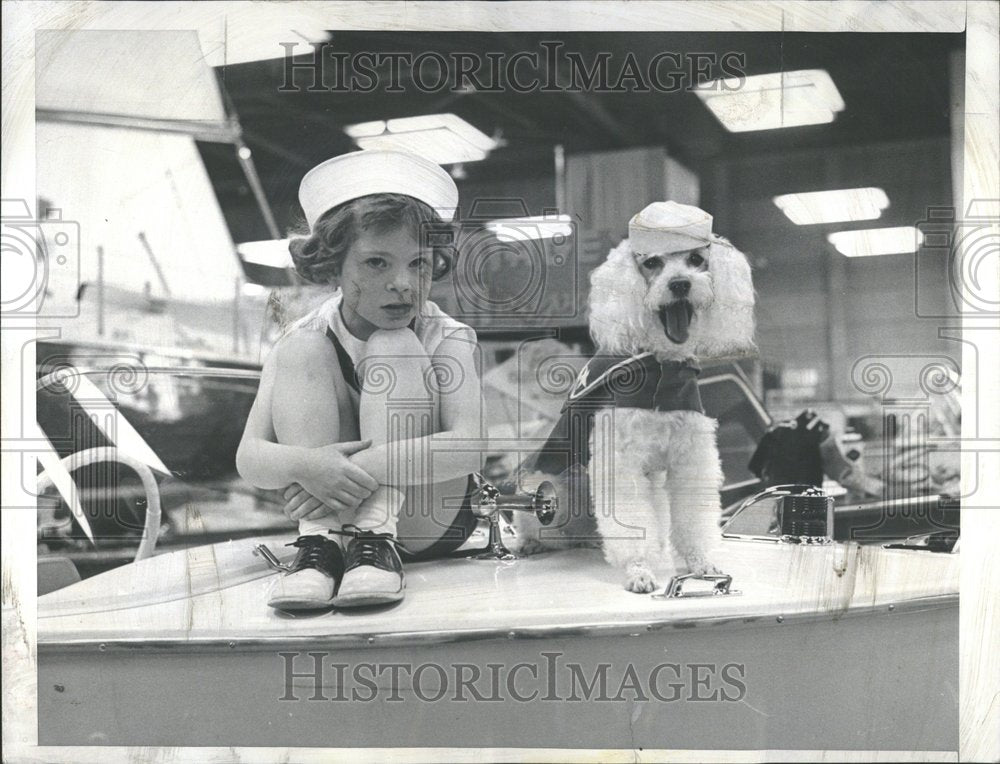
679 287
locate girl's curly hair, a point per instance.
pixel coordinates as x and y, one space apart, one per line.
319 256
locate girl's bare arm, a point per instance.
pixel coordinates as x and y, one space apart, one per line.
324 471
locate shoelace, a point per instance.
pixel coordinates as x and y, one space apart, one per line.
313 553
367 547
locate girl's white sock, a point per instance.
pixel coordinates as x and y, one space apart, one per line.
380 511
321 526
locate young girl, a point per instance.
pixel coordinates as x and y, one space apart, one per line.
370 409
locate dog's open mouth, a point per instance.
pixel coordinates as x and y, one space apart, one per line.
676 319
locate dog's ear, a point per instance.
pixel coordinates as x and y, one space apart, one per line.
727 326
618 320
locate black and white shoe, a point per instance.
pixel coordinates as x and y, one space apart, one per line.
373 572
314 576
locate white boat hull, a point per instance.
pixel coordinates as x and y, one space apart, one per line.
842 648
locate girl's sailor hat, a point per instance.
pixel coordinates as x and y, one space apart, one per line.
376 171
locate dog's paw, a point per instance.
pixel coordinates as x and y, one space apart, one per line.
639 579
530 546
701 566
522 536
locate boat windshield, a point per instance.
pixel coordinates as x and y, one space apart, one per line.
184 426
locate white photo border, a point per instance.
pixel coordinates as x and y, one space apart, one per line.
980 614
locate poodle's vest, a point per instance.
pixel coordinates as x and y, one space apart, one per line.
638 382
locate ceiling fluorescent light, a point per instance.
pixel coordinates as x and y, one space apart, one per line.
226 41
773 101
365 129
833 206
273 252
441 138
871 242
527 229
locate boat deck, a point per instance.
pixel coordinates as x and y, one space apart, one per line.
214 596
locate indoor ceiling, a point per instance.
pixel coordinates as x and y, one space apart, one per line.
894 87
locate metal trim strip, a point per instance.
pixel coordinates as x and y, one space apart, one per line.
425 638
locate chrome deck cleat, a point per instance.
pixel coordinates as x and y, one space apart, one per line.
945 541
262 550
542 503
720 583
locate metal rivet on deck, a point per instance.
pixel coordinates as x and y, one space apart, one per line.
891 608
781 619
371 640
511 635
102 647
232 644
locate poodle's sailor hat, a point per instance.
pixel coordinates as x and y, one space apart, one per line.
376 171
669 227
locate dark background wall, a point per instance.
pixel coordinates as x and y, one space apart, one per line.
816 308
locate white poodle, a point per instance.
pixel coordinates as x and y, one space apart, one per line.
633 427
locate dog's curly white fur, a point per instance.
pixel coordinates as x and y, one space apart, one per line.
623 308
654 492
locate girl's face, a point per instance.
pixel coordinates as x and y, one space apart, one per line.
385 279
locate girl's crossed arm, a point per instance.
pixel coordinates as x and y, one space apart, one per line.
325 471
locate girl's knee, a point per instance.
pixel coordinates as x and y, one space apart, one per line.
395 358
306 356
305 348
396 365
394 342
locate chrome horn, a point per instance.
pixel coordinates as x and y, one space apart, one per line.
542 502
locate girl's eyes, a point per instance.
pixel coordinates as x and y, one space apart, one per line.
380 263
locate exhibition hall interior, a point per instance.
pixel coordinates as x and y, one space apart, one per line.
830 160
